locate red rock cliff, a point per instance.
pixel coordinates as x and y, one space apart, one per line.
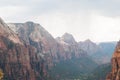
18 61
46 46
115 73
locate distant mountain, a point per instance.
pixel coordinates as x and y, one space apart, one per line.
69 44
54 52
74 67
101 53
34 34
108 47
68 38
89 46
29 52
105 54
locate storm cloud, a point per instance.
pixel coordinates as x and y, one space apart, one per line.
97 20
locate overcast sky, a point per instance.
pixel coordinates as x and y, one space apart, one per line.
98 20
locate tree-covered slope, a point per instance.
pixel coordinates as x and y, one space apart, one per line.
72 69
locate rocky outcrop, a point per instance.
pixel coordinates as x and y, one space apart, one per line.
68 38
89 46
19 61
101 53
70 46
115 73
7 32
54 51
35 35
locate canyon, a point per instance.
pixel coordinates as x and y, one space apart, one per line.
29 52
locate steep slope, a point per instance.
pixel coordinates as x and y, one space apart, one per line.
101 53
53 51
89 46
72 69
35 35
100 72
76 65
115 73
7 32
68 38
69 44
18 61
107 49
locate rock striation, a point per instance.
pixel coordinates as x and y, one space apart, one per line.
62 48
18 61
46 51
115 73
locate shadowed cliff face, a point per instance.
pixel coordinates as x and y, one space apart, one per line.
17 60
46 46
115 73
46 50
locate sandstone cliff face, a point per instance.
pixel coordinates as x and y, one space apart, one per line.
70 46
46 50
17 60
115 73
52 50
7 32
35 35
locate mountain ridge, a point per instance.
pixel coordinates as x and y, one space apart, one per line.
40 51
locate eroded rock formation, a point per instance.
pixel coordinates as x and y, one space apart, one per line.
18 60
115 73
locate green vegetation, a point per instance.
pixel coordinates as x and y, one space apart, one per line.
79 69
72 69
100 72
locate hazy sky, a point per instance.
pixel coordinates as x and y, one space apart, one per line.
98 20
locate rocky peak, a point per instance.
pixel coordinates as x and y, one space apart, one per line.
88 41
30 30
7 32
35 35
29 22
18 61
68 38
115 73
4 29
89 46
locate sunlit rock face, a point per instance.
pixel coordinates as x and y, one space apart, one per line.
70 46
52 50
7 32
18 60
47 51
35 35
115 73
